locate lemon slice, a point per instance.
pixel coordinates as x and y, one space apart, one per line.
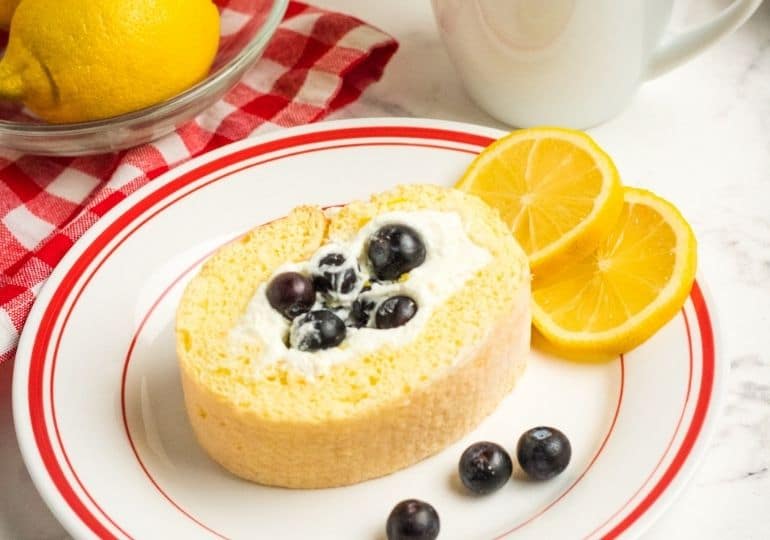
622 293
559 192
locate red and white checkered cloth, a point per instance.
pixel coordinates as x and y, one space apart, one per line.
317 62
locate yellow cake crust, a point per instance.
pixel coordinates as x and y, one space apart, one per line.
335 437
351 450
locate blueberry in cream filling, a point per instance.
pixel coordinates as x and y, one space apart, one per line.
376 289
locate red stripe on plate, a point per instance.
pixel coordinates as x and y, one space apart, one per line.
53 310
92 251
590 464
671 440
701 409
123 378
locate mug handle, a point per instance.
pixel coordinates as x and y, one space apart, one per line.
679 48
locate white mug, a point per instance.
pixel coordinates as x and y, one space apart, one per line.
574 63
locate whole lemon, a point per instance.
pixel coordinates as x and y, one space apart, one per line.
6 12
80 60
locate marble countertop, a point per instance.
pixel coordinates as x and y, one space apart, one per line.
699 136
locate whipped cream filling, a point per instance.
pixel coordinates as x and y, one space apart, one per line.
451 259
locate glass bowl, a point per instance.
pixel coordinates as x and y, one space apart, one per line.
244 37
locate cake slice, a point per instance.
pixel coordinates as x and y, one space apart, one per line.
333 346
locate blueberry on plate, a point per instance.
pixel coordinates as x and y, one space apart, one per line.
395 250
543 452
485 467
394 312
413 520
319 329
291 294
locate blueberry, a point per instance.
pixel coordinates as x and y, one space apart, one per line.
360 312
291 294
319 329
543 452
395 311
333 259
394 250
485 467
413 520
335 275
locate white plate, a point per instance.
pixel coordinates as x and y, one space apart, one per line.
98 403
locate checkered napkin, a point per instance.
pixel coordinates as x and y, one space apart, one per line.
317 62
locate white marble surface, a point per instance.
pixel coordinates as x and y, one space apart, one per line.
699 136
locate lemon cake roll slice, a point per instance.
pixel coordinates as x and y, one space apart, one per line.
333 346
